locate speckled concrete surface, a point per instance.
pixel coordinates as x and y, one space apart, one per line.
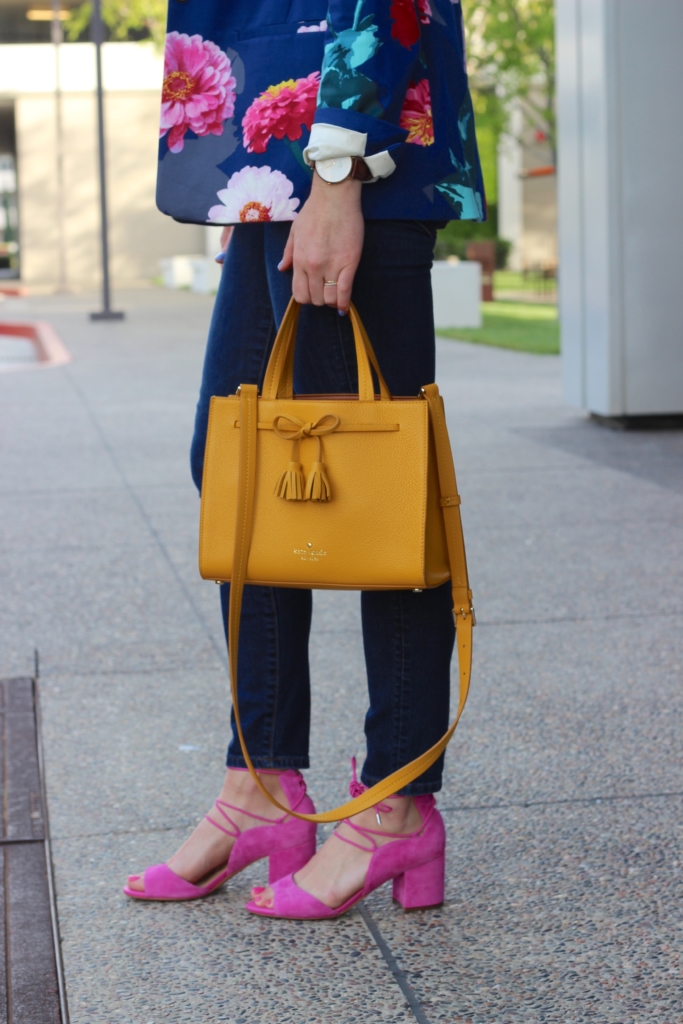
209 960
563 788
568 913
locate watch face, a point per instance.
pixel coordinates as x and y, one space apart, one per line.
334 170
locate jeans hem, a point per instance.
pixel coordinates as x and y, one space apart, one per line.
414 789
237 761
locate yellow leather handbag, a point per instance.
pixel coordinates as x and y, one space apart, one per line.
333 492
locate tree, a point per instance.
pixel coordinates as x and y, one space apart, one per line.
511 59
122 18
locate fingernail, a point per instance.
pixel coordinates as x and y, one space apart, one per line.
342 312
219 257
279 266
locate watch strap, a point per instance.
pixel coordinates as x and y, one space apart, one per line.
359 169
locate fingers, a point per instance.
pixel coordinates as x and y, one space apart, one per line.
311 286
316 285
330 293
343 289
226 235
308 265
308 286
288 255
311 274
300 287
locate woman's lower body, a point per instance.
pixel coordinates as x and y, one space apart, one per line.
408 637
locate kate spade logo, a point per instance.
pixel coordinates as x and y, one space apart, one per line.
309 553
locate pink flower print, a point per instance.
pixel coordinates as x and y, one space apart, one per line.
416 115
403 14
255 194
281 111
404 27
198 93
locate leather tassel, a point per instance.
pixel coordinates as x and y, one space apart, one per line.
318 485
291 484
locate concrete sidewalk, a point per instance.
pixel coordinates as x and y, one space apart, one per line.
564 785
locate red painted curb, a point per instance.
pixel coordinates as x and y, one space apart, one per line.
51 349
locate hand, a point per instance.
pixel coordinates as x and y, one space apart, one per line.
325 244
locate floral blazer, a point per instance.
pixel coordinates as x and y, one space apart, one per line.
253 89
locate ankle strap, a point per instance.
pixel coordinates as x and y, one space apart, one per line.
355 789
220 804
369 833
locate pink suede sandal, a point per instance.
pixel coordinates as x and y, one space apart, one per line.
288 843
415 862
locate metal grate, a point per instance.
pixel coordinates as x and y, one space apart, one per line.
29 987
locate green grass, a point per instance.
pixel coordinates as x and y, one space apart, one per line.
510 280
526 327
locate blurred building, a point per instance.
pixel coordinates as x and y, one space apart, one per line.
620 80
527 198
49 192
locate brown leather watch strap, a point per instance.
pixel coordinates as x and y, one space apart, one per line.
359 169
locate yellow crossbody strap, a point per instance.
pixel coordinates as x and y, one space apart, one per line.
462 597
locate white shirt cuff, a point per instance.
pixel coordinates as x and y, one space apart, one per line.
329 141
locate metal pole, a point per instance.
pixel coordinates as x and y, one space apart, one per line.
97 34
57 40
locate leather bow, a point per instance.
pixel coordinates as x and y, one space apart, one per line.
295 429
290 484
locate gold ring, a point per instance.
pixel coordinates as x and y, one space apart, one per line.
330 284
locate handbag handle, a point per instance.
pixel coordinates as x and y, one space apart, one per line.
462 595
278 381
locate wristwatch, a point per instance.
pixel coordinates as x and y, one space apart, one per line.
340 168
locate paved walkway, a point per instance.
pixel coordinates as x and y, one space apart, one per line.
564 786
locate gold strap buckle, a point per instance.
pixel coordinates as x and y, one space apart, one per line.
463 613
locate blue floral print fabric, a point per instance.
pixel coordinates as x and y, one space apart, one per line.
245 80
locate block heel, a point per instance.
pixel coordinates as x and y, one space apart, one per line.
413 861
289 861
421 887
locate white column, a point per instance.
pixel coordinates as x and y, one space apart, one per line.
510 191
620 82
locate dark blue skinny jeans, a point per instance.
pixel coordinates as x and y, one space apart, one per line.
408 638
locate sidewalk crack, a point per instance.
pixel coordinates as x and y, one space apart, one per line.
388 956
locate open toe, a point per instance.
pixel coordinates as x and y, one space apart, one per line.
288 842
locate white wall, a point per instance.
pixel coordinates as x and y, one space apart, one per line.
511 192
34 67
620 83
139 234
